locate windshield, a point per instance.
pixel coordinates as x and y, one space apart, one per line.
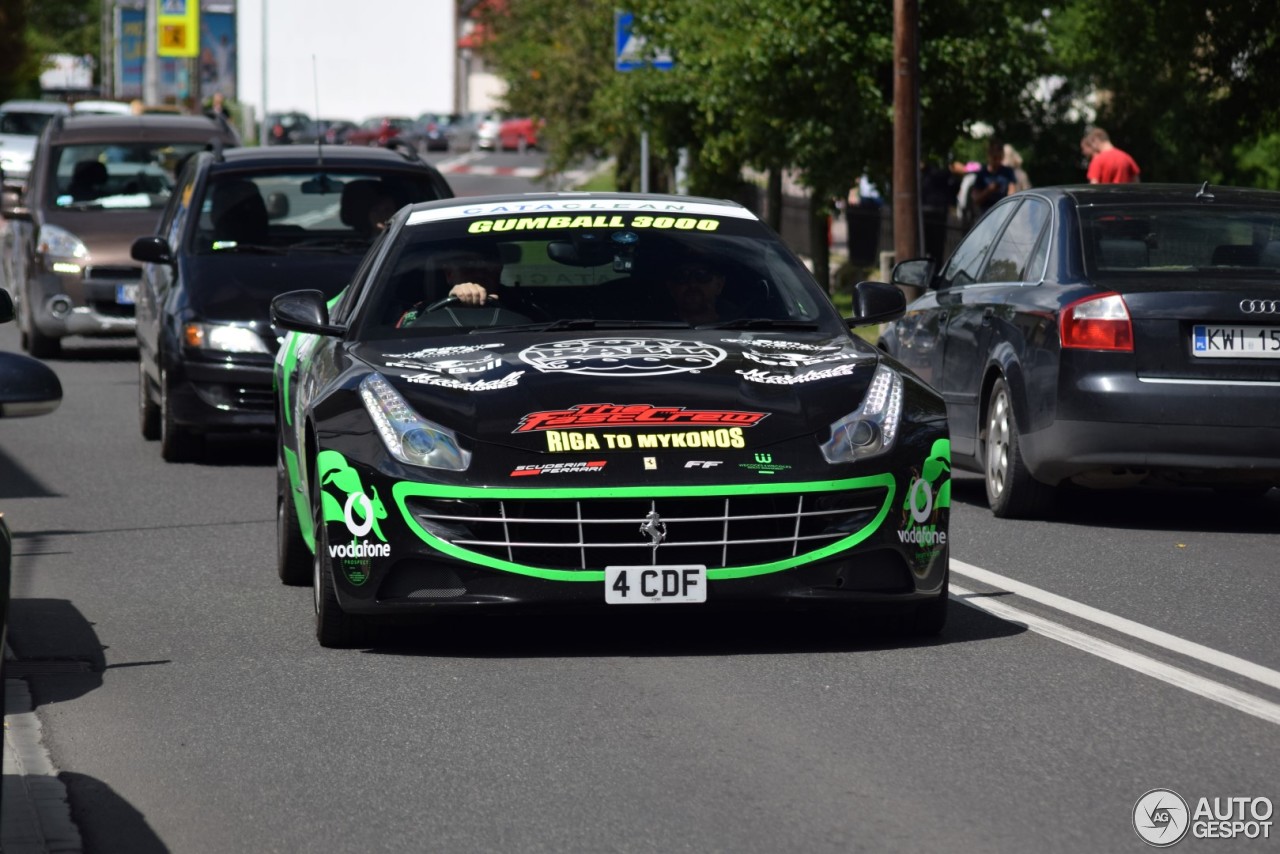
128 175
303 211
624 271
1190 238
24 124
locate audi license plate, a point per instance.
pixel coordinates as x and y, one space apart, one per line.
126 294
654 585
1235 342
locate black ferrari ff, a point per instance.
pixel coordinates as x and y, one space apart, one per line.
599 400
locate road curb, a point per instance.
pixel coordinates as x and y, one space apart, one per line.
36 816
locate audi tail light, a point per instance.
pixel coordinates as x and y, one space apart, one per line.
1099 322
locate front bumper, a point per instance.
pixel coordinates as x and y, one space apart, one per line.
215 397
878 579
67 305
839 543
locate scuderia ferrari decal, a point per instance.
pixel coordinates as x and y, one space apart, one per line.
928 496
559 468
556 425
357 510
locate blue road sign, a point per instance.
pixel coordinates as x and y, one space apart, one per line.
631 52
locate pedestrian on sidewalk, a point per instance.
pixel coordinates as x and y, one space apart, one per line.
1107 164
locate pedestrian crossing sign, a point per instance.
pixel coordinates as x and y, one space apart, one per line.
177 28
632 51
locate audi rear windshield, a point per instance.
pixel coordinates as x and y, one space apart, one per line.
1174 239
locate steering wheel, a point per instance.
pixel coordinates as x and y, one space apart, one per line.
452 300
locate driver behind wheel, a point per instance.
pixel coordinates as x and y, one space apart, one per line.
472 275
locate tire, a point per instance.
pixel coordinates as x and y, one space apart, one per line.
177 443
335 629
148 411
293 558
1011 490
1243 495
34 341
929 618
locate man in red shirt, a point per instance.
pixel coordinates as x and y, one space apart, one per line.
1107 164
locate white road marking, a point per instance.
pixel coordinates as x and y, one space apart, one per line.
1173 643
1207 688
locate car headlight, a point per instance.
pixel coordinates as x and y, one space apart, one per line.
56 242
15 164
223 338
409 437
871 428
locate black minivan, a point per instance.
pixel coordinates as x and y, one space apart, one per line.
244 225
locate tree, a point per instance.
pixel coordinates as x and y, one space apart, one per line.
17 66
31 30
1186 86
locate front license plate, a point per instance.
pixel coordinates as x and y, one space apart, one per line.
654 585
1235 342
126 294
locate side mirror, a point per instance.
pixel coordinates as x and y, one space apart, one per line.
6 306
916 273
27 387
303 311
876 302
11 202
153 249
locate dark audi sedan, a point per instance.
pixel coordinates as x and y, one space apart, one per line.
1106 336
242 226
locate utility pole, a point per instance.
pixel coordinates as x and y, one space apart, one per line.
906 117
107 65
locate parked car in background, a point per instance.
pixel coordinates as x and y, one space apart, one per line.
96 183
21 123
429 132
463 131
244 225
27 387
102 108
328 131
286 128
486 126
1106 336
519 134
378 130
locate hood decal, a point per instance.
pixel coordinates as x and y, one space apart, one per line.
587 415
756 375
622 357
434 379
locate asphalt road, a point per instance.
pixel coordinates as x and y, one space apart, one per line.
186 703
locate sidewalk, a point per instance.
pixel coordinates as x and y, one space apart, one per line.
35 817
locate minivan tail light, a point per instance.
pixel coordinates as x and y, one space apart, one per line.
1097 323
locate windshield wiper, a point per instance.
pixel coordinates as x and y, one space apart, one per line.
247 248
593 323
348 244
760 323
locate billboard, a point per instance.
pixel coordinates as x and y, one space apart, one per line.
217 60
